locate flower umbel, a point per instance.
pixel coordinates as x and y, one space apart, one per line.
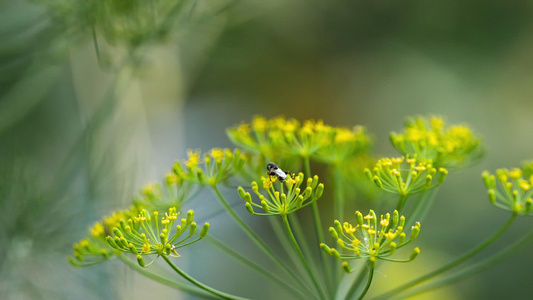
94 249
216 166
283 198
312 139
372 239
149 234
393 176
510 190
449 147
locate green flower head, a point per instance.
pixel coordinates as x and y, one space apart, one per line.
282 198
152 234
215 167
370 239
431 140
279 138
394 176
94 249
510 190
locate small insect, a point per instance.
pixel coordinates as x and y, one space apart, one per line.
274 170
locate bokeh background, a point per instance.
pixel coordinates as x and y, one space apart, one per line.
96 101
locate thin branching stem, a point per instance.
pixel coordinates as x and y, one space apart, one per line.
260 244
320 292
476 268
452 264
163 280
199 284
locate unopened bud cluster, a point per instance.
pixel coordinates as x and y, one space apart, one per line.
510 190
371 238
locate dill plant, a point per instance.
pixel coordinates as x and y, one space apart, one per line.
151 229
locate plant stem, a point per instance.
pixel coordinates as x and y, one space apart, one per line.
422 206
199 284
319 233
401 203
174 284
252 265
319 289
260 244
476 268
368 283
452 264
356 283
339 193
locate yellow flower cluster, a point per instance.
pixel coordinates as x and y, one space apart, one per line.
395 176
94 249
279 201
279 136
214 167
453 146
372 239
510 190
148 234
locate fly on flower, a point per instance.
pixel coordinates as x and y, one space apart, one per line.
274 170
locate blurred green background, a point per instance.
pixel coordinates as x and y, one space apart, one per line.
96 100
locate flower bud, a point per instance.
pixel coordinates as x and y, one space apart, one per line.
265 207
333 233
414 254
192 229
492 196
378 182
249 208
190 216
205 230
140 260
346 267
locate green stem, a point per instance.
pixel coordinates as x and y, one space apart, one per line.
452 264
422 206
319 289
476 268
338 209
173 284
339 193
320 234
368 283
252 265
401 203
357 282
314 205
260 244
286 244
199 284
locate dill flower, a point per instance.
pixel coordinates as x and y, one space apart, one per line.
510 190
342 144
283 198
173 192
94 249
280 137
370 239
214 167
152 234
446 146
393 176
